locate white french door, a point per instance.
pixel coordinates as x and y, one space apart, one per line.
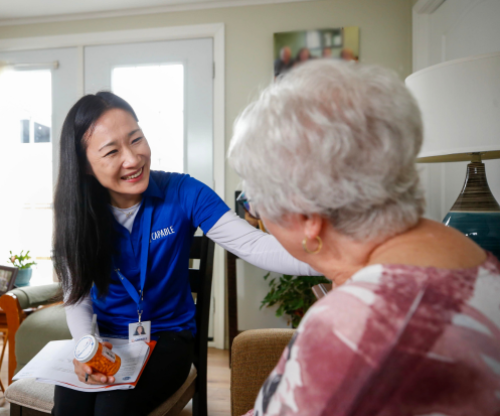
170 86
37 88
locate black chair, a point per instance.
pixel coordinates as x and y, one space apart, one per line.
29 398
201 284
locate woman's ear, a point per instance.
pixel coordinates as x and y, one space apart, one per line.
313 225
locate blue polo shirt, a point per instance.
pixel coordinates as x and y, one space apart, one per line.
181 204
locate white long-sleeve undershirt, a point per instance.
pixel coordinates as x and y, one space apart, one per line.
256 247
233 234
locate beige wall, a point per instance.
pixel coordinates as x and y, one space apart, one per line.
385 35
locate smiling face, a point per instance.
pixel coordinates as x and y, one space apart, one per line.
119 157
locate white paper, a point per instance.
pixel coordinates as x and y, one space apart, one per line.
54 365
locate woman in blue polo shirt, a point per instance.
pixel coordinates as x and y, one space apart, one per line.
121 249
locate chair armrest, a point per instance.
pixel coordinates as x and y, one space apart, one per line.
15 315
253 356
34 296
13 304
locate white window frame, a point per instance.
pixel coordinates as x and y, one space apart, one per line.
217 33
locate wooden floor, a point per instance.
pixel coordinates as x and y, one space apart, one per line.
219 374
219 398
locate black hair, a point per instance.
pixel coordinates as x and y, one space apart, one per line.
83 229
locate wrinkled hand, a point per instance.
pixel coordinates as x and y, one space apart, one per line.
81 369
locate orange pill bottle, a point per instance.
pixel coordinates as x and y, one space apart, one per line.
91 352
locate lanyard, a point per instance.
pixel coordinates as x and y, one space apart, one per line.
138 297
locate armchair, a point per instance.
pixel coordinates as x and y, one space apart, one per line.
47 324
253 356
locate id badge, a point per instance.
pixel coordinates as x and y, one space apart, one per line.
139 331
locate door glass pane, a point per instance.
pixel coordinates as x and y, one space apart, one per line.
156 93
26 160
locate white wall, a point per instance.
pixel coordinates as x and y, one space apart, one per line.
251 289
456 29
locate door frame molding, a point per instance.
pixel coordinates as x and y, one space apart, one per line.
216 31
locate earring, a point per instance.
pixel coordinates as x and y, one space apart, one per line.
320 245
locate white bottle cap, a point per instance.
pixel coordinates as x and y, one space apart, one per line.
86 348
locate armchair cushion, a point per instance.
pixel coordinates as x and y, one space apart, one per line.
29 393
254 355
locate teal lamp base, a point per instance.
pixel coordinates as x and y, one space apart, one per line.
476 213
483 228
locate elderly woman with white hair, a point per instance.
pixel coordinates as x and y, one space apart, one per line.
327 156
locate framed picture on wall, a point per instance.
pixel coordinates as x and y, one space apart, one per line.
7 278
293 48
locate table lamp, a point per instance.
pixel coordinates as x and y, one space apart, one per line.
460 105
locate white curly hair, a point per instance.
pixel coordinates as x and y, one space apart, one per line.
334 139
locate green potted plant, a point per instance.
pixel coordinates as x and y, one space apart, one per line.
293 294
23 263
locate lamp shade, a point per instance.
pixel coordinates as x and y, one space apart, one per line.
460 105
